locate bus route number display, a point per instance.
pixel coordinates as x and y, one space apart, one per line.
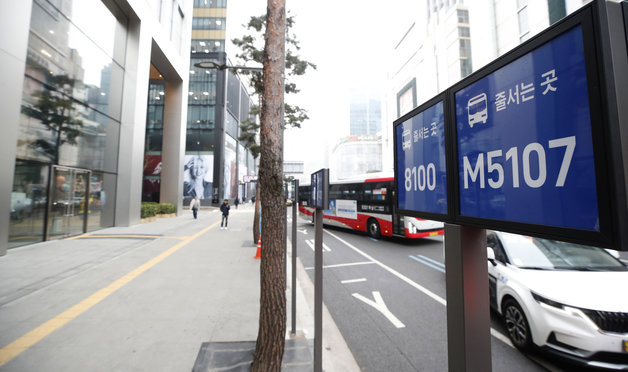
320 189
420 161
525 150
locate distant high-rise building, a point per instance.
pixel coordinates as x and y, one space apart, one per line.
365 114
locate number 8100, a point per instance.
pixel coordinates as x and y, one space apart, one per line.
421 177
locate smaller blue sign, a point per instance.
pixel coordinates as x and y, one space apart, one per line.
421 165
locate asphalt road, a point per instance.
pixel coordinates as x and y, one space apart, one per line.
387 298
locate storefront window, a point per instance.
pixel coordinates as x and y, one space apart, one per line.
28 203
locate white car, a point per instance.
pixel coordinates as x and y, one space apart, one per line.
565 298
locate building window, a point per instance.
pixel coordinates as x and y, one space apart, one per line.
208 23
463 16
207 46
210 3
465 67
522 14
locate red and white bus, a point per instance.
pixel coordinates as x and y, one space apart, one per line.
367 205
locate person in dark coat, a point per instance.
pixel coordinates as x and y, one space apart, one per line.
224 208
236 202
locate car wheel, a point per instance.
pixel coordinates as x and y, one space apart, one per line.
372 229
517 325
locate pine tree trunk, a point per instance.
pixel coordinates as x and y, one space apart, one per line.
272 321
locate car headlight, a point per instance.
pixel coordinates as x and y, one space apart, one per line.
572 311
547 301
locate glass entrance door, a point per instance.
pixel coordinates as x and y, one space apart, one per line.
68 202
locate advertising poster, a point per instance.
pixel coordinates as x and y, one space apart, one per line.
198 176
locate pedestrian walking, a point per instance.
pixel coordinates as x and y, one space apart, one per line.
195 204
224 208
236 202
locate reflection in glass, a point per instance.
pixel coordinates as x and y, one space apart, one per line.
70 116
58 48
28 203
68 202
100 211
230 174
58 130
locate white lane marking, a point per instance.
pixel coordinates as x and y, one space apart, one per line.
501 337
304 231
311 244
431 294
380 306
352 281
343 265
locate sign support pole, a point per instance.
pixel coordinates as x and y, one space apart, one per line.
295 205
468 309
318 291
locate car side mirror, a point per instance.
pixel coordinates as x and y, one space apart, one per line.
490 255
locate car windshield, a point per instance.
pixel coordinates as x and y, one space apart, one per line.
543 254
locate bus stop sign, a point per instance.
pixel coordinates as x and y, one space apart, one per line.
421 160
525 150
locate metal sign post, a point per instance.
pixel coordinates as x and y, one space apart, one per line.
295 205
318 291
468 313
319 199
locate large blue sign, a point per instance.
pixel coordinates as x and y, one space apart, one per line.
421 167
525 151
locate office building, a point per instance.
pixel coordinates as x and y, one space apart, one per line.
216 164
365 116
77 76
354 156
452 38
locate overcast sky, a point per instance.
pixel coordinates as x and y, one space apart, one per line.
349 41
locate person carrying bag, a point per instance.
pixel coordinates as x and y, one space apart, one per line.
195 204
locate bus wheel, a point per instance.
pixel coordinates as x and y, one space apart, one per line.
372 228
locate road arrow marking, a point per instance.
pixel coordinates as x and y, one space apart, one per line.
380 306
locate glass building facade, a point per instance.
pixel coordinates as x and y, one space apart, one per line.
71 112
67 146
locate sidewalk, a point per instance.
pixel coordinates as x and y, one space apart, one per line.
141 298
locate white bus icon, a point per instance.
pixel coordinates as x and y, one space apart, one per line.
478 109
406 139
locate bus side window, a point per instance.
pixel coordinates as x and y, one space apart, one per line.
334 192
368 191
359 191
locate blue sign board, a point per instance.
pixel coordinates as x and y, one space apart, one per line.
420 165
319 189
525 149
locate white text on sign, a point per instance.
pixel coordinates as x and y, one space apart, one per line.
494 167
